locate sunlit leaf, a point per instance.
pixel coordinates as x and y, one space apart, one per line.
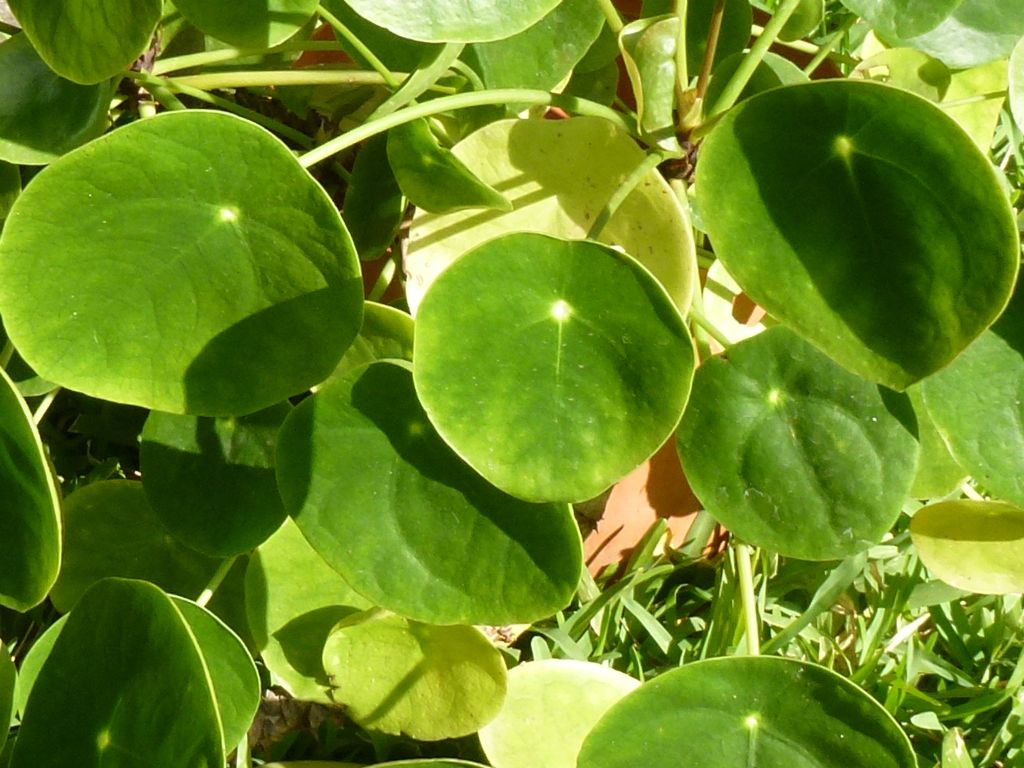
794 454
30 525
438 543
976 32
938 473
88 42
903 18
758 712
835 185
248 23
466 21
973 545
161 227
1017 84
400 676
386 334
550 707
649 50
608 379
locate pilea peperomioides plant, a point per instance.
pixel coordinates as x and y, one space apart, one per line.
343 490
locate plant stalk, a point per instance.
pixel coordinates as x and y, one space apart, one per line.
389 78
40 413
611 15
224 55
746 586
829 45
714 32
218 577
462 101
645 166
256 79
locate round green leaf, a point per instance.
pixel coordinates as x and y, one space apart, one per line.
30 524
758 712
110 530
793 453
398 54
542 55
977 406
200 233
938 473
10 188
118 679
230 670
293 599
805 19
976 32
42 115
892 265
8 686
549 709
248 23
973 545
559 175
88 41
374 205
771 72
386 333
606 355
406 522
455 21
403 677
211 481
902 18
33 661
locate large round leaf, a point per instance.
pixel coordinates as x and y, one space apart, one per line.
559 176
30 526
293 599
938 473
754 712
400 676
456 21
902 18
553 367
88 40
248 23
185 263
833 205
112 531
976 403
211 481
793 453
406 522
973 545
128 684
977 32
549 709
42 115
386 333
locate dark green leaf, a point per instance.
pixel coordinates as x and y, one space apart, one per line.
793 453
398 54
248 23
211 481
892 264
436 542
977 32
733 37
374 205
8 685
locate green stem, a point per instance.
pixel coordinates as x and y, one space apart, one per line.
269 123
462 101
714 32
211 587
44 405
6 353
255 79
380 285
746 586
469 73
682 75
979 97
158 88
611 15
223 55
829 45
644 167
371 59
697 315
754 57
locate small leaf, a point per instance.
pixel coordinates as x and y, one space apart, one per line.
938 473
559 176
234 304
211 481
118 679
954 751
608 380
649 50
88 42
833 184
973 545
110 530
454 21
42 115
374 205
438 543
794 454
543 54
386 334
549 709
758 712
248 23
403 677
30 522
805 19
432 177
